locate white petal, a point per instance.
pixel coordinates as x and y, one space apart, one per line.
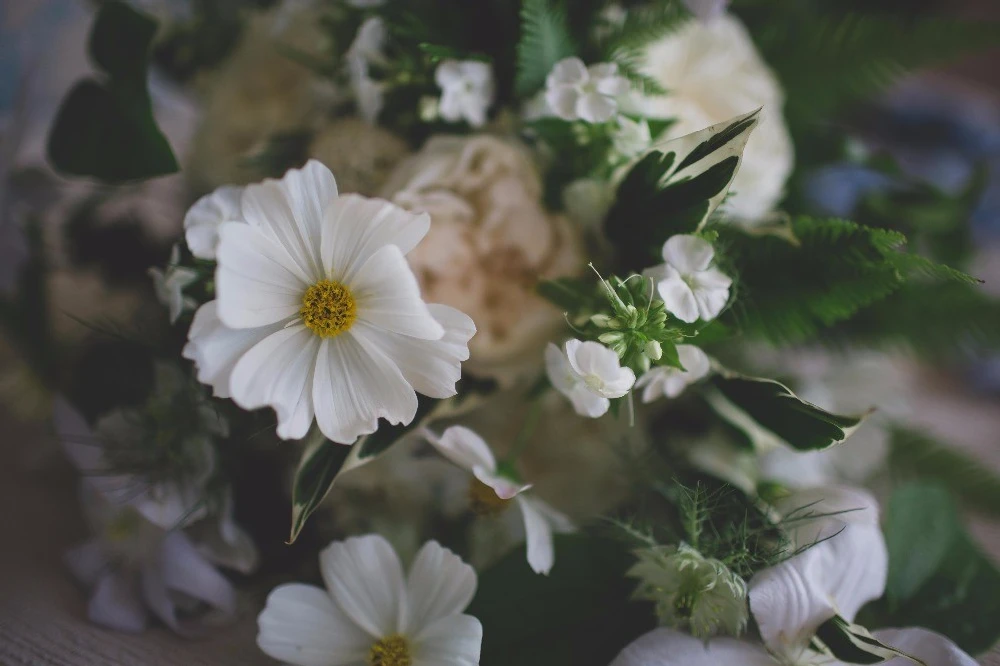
388 296
278 372
451 106
587 403
215 348
613 86
924 644
366 580
256 282
695 362
596 108
201 223
449 74
687 253
504 488
116 603
463 447
355 385
713 278
355 228
592 358
668 647
538 537
301 625
439 585
563 101
652 384
568 71
291 211
619 384
559 371
678 299
432 367
451 641
185 570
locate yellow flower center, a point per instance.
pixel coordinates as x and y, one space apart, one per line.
390 651
483 500
328 308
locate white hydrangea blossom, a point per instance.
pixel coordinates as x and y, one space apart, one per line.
467 90
577 92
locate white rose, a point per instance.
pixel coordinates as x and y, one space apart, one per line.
714 72
491 242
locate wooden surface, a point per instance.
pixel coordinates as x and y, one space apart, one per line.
42 611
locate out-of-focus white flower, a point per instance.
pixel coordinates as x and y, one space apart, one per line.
169 285
632 137
373 613
491 493
713 72
691 288
577 92
467 90
318 314
706 10
667 382
202 221
589 374
367 49
588 200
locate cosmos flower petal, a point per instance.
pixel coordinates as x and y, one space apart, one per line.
463 447
116 603
669 647
439 585
924 644
365 578
451 641
388 296
538 536
201 223
301 625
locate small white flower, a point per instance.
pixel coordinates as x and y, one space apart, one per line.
367 49
318 314
169 285
467 90
491 493
373 613
201 223
667 382
577 92
687 282
589 374
632 137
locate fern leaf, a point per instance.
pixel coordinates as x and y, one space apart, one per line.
545 40
642 26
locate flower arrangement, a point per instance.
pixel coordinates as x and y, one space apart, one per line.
481 302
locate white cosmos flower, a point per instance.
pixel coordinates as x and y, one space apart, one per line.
201 223
666 382
318 314
789 601
169 285
691 288
373 613
589 374
467 90
577 92
491 493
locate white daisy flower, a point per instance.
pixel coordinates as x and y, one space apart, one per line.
577 92
589 374
691 288
371 613
201 223
467 90
169 285
491 493
667 382
318 314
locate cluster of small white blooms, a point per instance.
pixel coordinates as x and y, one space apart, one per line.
467 90
317 313
669 382
170 283
371 612
367 49
589 374
691 591
491 493
690 286
577 92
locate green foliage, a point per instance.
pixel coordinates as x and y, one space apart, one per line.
545 40
853 644
106 128
828 60
955 590
827 271
642 26
769 414
580 613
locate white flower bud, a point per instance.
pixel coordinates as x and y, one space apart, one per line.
653 350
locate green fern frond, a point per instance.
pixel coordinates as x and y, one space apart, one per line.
642 26
545 40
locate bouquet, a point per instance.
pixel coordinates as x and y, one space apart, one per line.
511 332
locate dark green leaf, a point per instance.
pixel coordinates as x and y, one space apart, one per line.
571 294
119 43
853 644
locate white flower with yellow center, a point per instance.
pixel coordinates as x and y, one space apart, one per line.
577 92
690 286
318 315
372 613
491 493
667 382
589 374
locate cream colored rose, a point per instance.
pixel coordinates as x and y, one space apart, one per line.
714 72
491 241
